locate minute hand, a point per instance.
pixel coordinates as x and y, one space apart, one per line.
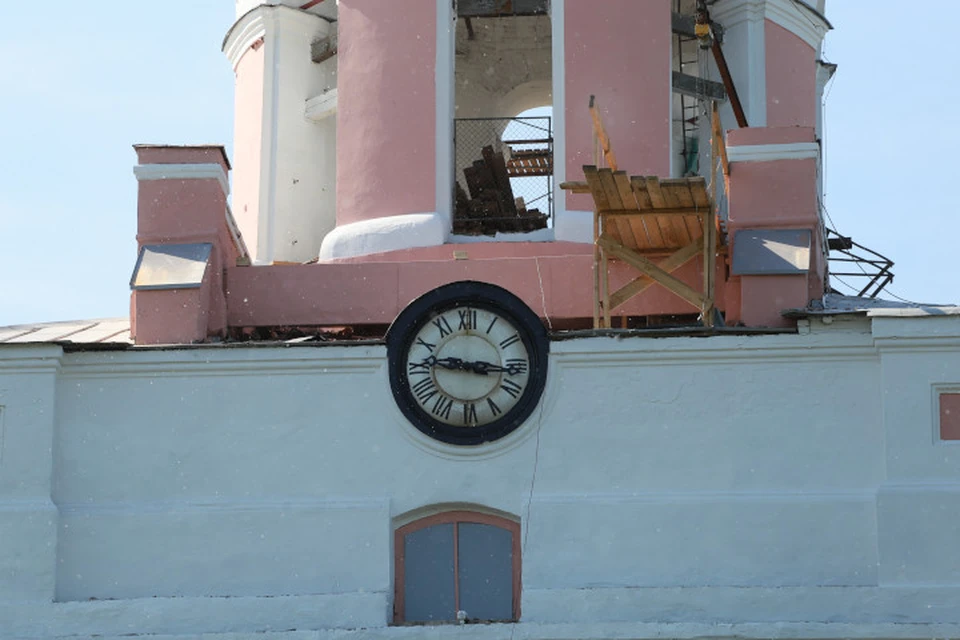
484 368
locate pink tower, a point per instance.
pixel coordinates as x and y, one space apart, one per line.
350 201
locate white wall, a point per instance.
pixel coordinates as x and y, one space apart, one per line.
781 479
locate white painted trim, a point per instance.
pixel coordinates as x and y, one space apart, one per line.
559 80
321 107
203 171
247 30
445 107
269 152
769 152
575 226
730 14
390 233
540 235
806 25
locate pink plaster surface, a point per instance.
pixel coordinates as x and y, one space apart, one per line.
950 416
169 316
175 209
781 193
619 51
386 119
554 286
247 144
479 250
161 154
791 79
769 135
764 297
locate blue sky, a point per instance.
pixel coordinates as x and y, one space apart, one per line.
83 83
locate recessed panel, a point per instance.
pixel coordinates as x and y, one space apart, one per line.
761 252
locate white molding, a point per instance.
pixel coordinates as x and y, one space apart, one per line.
770 152
806 25
559 81
750 14
247 30
445 107
322 106
390 233
204 171
574 226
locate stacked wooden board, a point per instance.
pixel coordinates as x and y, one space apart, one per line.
490 206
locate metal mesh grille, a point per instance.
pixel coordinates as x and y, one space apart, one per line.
504 175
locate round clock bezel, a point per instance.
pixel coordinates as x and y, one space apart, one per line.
479 295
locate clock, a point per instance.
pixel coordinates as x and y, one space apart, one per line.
467 362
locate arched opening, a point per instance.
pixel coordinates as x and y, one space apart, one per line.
457 566
503 68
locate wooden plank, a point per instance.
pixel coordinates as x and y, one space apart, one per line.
680 190
663 200
638 224
720 142
600 200
575 187
709 241
494 160
659 227
673 262
596 270
627 235
601 134
651 270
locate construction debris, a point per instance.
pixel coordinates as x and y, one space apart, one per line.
491 206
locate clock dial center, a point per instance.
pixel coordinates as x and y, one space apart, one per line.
466 385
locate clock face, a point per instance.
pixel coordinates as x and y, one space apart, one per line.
467 362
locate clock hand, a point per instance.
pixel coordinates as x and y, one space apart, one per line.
483 368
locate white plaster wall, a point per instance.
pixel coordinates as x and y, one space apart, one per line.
768 479
303 159
28 518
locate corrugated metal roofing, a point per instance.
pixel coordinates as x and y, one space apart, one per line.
103 331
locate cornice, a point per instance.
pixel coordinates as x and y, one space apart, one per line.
770 152
203 171
806 23
245 31
803 21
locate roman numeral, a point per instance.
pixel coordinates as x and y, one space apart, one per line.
517 365
444 326
511 387
493 407
492 322
468 319
424 390
418 368
423 343
469 414
442 406
506 342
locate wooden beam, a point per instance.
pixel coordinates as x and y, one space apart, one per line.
686 26
324 48
652 271
498 8
729 86
698 87
575 187
601 134
673 262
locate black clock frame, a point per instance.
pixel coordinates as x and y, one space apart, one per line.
479 295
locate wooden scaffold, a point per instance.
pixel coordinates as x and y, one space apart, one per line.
639 217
